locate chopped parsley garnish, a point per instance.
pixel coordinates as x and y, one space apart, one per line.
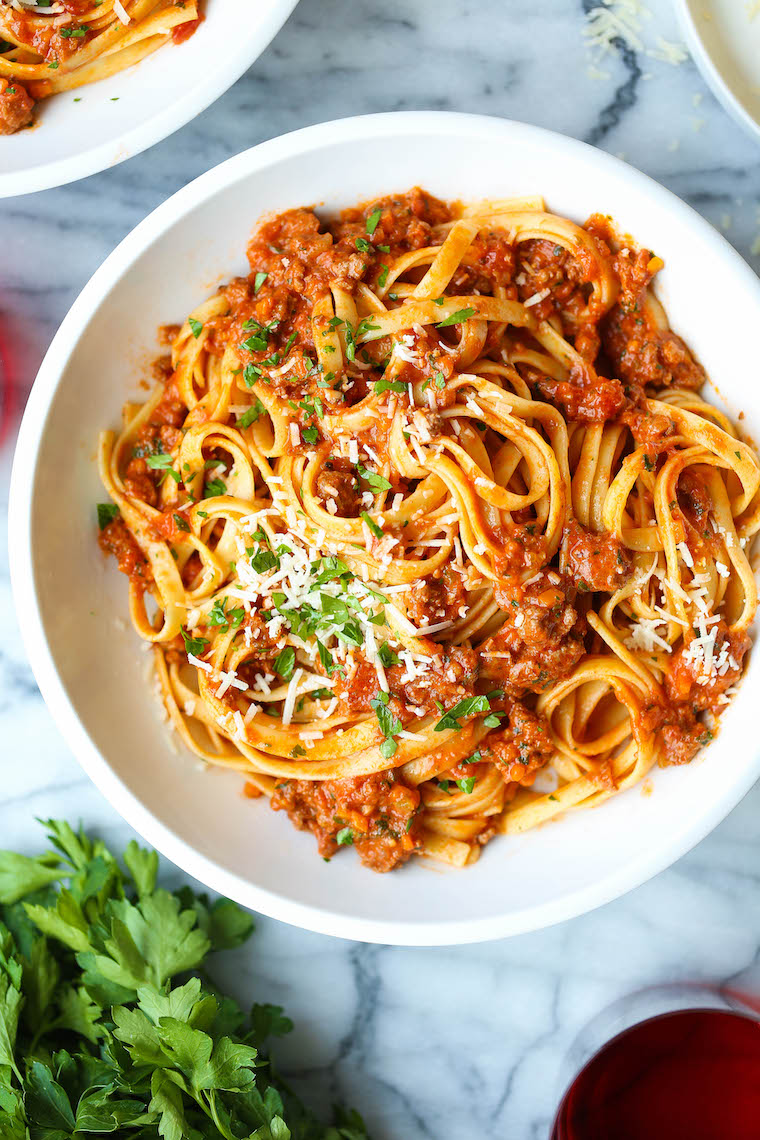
372 221
363 245
251 415
310 434
181 523
284 662
456 318
107 512
387 656
390 725
373 526
163 462
389 386
230 619
326 659
264 560
196 327
467 707
366 326
350 343
215 487
258 281
345 837
382 276
467 783
259 340
492 721
376 482
194 645
74 33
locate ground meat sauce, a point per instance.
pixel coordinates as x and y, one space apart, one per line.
116 539
16 107
541 639
521 747
685 680
376 814
596 561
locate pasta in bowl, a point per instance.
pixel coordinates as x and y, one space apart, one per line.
431 507
74 606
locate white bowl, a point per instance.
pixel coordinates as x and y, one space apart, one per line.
92 674
725 45
121 116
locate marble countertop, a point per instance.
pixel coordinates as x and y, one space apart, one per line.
428 1043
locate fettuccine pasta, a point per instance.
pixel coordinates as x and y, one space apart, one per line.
430 530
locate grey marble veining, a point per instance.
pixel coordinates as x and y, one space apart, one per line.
429 1043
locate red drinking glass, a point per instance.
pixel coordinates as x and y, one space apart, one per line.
688 1071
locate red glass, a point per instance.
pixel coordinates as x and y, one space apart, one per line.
693 1074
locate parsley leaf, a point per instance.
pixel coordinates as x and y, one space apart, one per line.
373 526
372 221
389 386
456 318
258 281
251 414
284 662
194 645
107 1022
196 327
376 482
390 725
230 618
215 487
387 656
163 462
107 512
469 706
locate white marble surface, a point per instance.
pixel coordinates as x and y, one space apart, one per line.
429 1043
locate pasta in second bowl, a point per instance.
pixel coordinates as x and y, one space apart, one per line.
284 525
86 86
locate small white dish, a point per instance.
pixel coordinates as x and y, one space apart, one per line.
724 40
118 117
72 603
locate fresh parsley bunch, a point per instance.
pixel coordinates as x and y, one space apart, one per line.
108 1020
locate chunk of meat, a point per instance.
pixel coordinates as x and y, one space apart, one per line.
116 539
581 400
541 639
596 561
641 353
340 488
377 814
16 107
434 600
677 728
689 683
522 746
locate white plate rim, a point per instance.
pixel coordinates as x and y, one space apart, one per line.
137 814
175 115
